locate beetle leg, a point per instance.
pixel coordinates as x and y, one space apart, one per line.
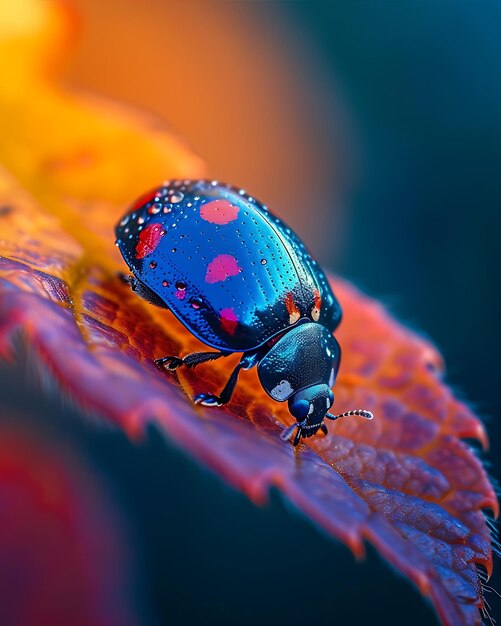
195 358
323 428
171 363
297 438
141 290
208 399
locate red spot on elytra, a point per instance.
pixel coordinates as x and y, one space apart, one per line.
292 310
229 320
315 311
220 268
149 238
317 299
219 212
144 199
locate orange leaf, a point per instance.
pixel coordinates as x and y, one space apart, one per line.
406 482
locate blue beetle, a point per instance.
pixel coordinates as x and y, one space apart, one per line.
241 281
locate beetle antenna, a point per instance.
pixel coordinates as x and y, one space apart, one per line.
361 412
287 433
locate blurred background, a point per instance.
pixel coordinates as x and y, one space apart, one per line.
373 128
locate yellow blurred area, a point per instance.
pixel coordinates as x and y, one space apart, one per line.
237 81
67 149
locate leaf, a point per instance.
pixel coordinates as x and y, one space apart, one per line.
405 481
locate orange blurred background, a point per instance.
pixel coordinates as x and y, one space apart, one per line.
242 85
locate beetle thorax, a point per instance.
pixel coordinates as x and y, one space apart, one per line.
306 356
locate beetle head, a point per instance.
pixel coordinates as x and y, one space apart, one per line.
309 406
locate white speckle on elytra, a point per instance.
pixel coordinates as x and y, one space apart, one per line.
176 197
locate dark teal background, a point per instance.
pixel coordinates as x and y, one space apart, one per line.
422 82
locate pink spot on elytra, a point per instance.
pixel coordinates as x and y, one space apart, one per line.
180 290
219 212
229 320
222 267
149 238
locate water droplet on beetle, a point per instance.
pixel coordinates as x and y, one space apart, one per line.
140 220
165 283
124 220
174 249
153 264
177 196
180 286
196 303
263 261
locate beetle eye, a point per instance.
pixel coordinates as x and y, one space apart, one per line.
300 409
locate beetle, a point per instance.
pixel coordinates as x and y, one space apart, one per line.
240 280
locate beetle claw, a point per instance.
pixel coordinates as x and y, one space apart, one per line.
207 399
169 363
